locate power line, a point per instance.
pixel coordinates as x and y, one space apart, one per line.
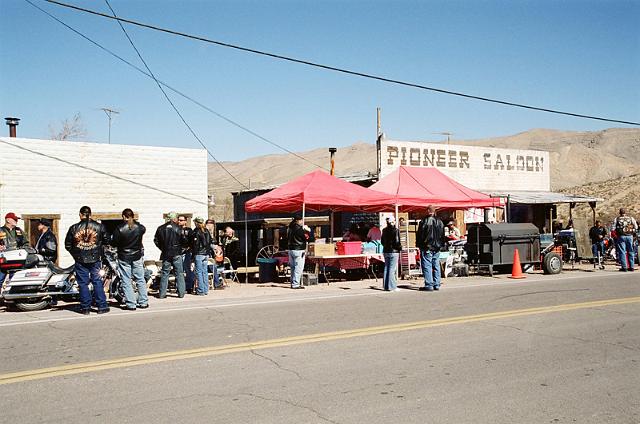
184 121
175 90
88 168
342 70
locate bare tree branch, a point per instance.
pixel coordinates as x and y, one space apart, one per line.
70 129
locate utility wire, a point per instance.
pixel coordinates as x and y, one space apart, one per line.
97 171
335 69
175 90
171 102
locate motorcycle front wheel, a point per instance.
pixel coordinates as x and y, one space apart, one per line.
30 305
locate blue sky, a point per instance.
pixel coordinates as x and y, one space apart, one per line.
577 56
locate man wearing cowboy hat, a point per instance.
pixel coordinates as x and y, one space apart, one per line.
47 244
11 237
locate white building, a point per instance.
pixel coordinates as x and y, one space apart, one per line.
53 179
521 176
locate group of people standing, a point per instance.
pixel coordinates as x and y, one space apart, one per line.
624 234
430 239
179 244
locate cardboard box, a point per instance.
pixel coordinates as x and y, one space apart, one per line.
309 279
322 249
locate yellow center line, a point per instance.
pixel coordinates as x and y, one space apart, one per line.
130 361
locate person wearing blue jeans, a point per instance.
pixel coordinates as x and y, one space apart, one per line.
430 240
90 273
133 271
216 253
127 238
170 239
597 234
430 265
201 248
201 262
176 263
627 253
391 250
297 236
84 242
626 226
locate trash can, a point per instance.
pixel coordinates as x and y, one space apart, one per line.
267 269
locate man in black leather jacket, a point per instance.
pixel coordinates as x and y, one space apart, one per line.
47 244
297 237
170 240
391 249
127 238
201 249
84 242
187 254
430 240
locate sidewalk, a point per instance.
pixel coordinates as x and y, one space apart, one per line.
244 294
281 288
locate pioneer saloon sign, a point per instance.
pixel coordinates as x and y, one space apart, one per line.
480 168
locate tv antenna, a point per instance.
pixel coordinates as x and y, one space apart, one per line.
448 134
109 112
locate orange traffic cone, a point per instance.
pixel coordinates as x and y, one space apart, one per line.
516 271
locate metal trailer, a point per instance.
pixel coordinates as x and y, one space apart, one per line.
493 246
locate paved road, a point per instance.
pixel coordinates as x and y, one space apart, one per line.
547 349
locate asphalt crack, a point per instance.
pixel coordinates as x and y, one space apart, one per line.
277 364
586 341
294 404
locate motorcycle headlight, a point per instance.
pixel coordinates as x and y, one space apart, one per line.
102 272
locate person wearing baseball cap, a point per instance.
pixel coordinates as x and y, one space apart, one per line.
11 237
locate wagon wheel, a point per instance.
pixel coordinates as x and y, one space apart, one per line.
267 252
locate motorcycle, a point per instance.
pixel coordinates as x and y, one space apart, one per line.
32 281
110 274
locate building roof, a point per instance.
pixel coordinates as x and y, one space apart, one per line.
355 178
543 197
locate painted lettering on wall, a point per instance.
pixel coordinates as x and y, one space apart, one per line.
441 158
498 162
478 167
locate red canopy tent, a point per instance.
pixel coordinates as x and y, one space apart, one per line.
319 191
415 188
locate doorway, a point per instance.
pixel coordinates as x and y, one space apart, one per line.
31 228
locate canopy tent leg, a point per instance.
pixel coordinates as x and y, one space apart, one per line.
246 249
397 226
331 227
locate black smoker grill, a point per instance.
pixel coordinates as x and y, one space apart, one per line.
494 244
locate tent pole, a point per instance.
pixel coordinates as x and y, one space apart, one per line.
331 227
246 249
399 259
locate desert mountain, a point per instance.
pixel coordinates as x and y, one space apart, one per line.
577 159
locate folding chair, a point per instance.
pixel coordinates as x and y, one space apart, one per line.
211 262
227 272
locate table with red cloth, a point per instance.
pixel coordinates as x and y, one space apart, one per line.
343 262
